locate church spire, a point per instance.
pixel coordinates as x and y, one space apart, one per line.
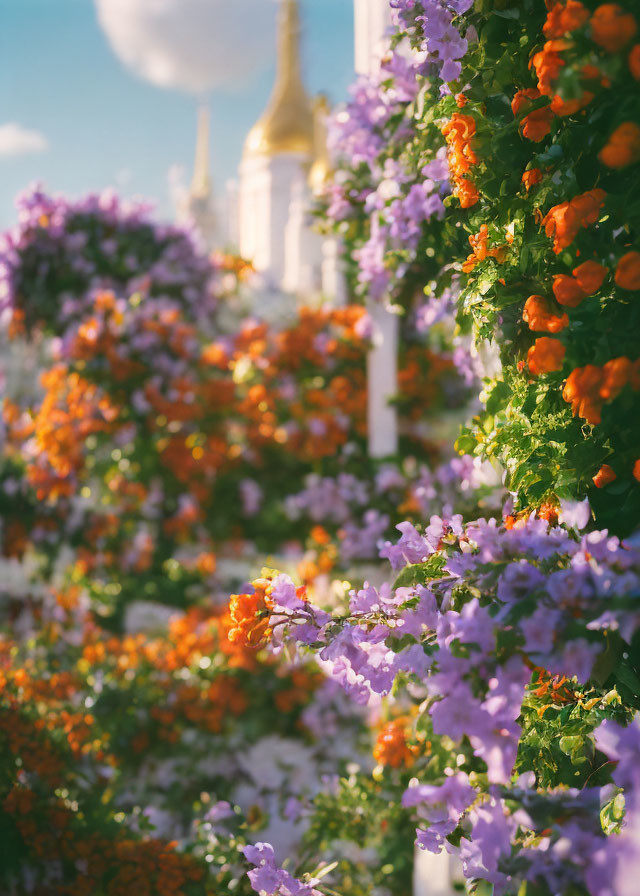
201 181
287 124
289 84
199 205
321 167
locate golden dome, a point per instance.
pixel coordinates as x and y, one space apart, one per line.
321 168
287 124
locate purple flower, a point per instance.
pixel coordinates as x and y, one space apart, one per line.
441 806
489 845
268 879
518 581
411 548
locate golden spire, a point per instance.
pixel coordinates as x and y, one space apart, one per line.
321 167
201 181
287 124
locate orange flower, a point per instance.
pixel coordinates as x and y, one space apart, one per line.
549 512
215 355
568 291
467 193
623 146
539 315
587 206
537 124
582 392
590 276
459 132
250 616
565 17
570 107
320 535
391 745
588 388
478 242
531 177
563 222
461 126
634 62
546 355
616 374
611 27
548 64
461 100
604 476
636 470
628 271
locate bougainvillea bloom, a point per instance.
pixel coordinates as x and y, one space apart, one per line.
582 392
391 745
568 291
623 146
548 63
545 355
458 133
604 476
612 28
563 17
539 315
588 388
590 276
537 124
616 374
531 177
628 271
250 616
562 223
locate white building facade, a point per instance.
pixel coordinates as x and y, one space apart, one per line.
279 153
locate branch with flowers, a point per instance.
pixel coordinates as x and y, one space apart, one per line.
542 146
517 647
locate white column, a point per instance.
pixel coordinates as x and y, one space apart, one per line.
372 18
436 875
334 281
303 247
382 382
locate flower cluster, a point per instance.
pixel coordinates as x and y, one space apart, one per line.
511 634
115 748
378 184
436 36
61 251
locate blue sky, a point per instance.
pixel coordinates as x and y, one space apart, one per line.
105 126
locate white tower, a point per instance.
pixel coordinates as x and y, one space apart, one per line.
304 246
199 209
372 18
277 156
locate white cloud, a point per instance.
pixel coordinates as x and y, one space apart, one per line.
16 140
193 45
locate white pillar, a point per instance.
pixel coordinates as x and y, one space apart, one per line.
436 875
334 281
382 382
372 17
303 247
